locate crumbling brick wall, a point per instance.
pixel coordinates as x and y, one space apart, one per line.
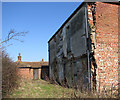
106 43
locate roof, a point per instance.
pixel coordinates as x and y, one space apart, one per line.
32 64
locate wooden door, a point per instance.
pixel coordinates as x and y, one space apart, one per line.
35 73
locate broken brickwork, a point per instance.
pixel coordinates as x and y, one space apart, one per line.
105 18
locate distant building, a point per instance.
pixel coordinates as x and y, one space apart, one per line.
84 51
32 70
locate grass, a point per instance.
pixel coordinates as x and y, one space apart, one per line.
43 89
40 89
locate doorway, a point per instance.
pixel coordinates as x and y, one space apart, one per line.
35 73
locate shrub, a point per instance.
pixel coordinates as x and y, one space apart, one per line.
9 75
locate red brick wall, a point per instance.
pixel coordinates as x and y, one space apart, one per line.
106 52
39 73
26 73
107 44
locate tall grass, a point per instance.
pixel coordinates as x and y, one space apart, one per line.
9 75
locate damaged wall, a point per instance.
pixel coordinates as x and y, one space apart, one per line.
103 19
81 59
68 52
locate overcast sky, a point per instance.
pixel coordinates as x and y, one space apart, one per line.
41 19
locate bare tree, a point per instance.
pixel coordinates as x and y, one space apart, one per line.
12 35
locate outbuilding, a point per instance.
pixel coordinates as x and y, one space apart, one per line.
32 70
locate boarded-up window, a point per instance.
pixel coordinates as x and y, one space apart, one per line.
77 22
68 39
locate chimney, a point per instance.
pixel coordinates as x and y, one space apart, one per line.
19 57
42 60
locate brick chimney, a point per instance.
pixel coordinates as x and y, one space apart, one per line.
19 57
42 60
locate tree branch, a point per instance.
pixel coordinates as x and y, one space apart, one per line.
12 35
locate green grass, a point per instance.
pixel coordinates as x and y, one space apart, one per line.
43 89
40 89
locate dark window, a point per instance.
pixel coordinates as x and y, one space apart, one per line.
68 39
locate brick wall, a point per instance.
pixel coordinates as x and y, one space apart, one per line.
25 73
106 52
39 73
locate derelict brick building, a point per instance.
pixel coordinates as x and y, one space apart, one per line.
84 50
33 70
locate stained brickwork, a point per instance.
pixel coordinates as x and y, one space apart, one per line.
106 42
119 48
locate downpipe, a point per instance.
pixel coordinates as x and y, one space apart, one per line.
88 51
